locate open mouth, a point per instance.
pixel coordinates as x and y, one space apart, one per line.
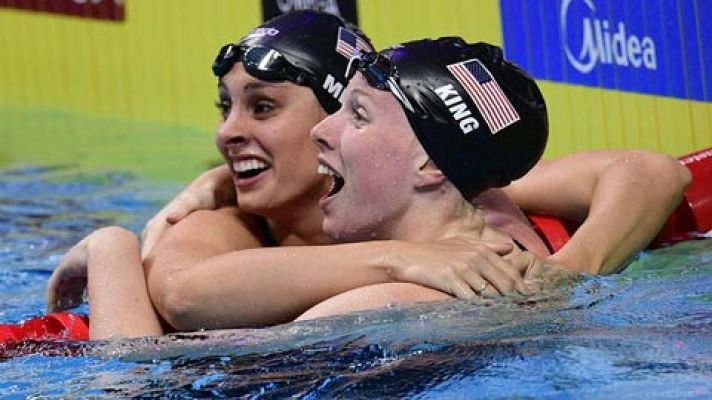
337 182
249 168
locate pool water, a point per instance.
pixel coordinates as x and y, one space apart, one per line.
644 333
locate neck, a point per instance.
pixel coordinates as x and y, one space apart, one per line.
299 224
437 216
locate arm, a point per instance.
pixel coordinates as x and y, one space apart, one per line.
373 297
622 197
209 272
107 262
212 189
540 276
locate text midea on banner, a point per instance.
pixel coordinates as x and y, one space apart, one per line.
654 47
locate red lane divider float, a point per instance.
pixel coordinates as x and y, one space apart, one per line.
57 326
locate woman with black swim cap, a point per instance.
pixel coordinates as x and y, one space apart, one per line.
444 120
259 263
211 270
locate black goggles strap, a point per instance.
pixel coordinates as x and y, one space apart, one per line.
380 74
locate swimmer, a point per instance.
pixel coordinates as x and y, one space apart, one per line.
267 261
425 126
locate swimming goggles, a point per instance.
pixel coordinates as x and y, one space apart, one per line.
261 62
381 74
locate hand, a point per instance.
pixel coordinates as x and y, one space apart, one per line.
547 274
211 190
461 267
65 288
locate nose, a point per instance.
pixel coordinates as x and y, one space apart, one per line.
234 130
326 133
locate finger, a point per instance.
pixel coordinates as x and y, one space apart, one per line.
175 216
520 263
150 236
448 281
474 280
148 228
501 248
185 204
462 291
492 271
489 292
510 268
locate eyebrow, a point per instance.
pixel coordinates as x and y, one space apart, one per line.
359 92
251 86
256 85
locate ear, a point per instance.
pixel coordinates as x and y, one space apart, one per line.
429 176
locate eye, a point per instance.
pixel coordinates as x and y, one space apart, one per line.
263 107
358 114
224 105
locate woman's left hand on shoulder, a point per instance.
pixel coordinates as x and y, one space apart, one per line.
463 268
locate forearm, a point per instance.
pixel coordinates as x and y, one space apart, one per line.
118 297
631 200
265 286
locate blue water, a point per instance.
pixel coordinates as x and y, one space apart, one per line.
645 333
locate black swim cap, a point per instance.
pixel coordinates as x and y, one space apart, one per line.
481 119
309 48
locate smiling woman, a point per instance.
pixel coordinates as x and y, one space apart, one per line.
402 153
265 260
212 270
259 121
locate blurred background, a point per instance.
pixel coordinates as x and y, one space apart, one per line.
126 85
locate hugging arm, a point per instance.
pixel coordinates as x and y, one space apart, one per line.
211 190
622 198
108 264
209 272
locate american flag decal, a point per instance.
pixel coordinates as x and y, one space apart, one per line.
495 107
349 44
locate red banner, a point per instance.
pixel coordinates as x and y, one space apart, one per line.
112 10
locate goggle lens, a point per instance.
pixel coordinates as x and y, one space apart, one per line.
382 75
263 63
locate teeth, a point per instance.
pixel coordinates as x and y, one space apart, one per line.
248 165
325 170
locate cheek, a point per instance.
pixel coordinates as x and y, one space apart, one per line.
298 153
379 171
297 128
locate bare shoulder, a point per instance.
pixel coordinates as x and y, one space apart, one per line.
373 297
224 229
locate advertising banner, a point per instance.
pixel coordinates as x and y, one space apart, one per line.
661 47
112 10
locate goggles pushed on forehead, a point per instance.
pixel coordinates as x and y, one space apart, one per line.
261 62
381 74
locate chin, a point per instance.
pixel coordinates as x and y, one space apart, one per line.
343 233
330 230
251 203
